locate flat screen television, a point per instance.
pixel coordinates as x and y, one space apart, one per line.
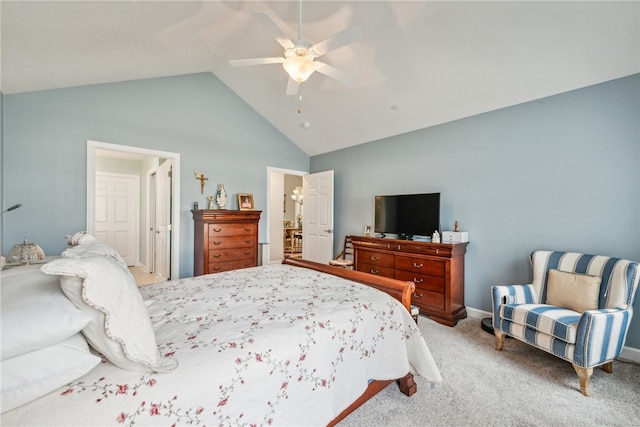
407 214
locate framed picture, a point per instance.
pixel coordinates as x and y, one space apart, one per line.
245 201
367 230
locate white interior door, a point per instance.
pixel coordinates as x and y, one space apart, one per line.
117 213
317 219
163 222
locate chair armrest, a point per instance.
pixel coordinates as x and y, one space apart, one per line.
511 294
601 335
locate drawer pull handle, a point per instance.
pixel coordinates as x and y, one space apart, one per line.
217 243
375 258
415 280
417 296
418 265
247 241
437 251
374 271
216 268
217 255
247 252
217 230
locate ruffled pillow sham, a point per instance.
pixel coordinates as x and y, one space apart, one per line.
120 328
90 246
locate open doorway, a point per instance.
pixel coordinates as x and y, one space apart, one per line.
149 163
284 214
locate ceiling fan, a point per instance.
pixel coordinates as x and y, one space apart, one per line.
299 59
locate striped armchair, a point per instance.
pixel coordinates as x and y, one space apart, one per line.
578 307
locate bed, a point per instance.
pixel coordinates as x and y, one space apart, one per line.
297 343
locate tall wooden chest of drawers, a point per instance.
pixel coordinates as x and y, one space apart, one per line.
437 269
224 240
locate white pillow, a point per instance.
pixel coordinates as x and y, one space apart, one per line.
32 375
79 237
34 312
91 247
120 328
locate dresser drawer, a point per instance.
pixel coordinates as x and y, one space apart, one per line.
375 258
223 229
435 249
222 255
423 298
420 265
231 265
422 281
232 242
376 269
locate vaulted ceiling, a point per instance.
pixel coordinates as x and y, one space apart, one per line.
418 63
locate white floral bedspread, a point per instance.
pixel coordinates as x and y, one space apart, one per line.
273 345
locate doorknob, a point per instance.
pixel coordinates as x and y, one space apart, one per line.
328 231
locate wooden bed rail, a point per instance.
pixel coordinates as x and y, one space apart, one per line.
402 291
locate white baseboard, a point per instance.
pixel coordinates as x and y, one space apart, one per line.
142 267
478 314
628 354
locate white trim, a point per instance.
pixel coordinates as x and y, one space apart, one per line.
92 146
628 354
478 314
148 233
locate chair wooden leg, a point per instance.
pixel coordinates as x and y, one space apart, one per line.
584 375
608 367
500 339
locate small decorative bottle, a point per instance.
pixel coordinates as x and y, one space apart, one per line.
436 237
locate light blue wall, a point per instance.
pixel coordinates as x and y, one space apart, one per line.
559 173
45 147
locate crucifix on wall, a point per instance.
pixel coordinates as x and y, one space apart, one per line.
202 179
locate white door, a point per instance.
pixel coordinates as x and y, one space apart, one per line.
163 222
317 218
117 213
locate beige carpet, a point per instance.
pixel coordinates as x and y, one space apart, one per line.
519 386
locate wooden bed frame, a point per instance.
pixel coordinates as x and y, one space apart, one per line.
402 291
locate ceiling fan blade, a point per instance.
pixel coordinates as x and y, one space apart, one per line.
334 73
255 61
337 41
292 87
274 29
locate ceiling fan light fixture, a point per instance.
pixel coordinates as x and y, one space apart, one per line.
299 67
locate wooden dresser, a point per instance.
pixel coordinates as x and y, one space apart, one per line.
437 269
224 240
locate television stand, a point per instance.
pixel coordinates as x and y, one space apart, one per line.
437 269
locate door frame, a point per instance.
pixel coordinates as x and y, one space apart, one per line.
150 232
266 253
92 146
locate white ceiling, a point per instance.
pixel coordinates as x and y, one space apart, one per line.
419 63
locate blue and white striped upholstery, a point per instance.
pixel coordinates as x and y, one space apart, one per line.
585 339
